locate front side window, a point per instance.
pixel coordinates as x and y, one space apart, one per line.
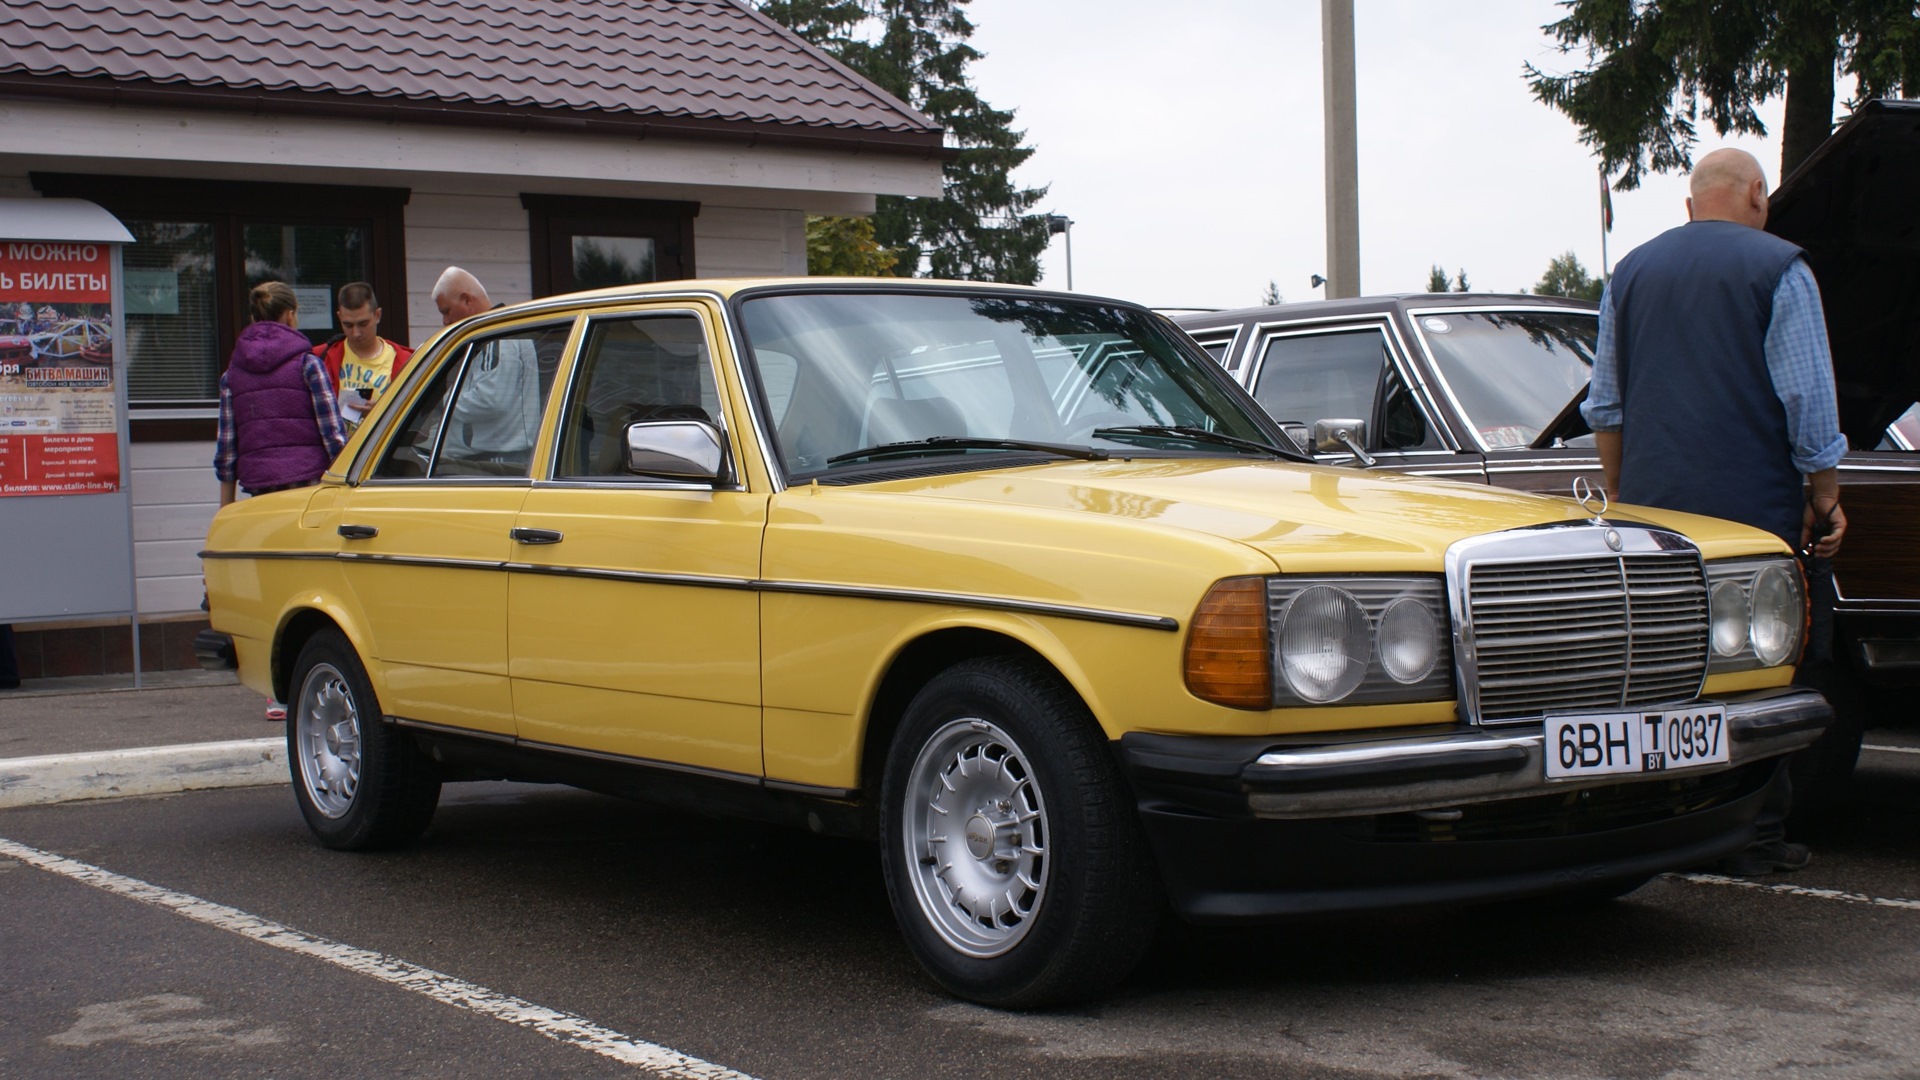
480 416
1512 372
633 369
1305 378
855 378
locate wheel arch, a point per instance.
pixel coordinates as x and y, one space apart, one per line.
297 627
918 662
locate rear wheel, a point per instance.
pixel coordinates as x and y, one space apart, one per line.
1012 853
361 783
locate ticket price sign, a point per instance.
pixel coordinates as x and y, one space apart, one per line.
63 411
59 414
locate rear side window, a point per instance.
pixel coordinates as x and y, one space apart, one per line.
480 416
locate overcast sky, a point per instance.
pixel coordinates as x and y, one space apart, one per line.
1184 140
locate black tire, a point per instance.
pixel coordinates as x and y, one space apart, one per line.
1046 822
361 783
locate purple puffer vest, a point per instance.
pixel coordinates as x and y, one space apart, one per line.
276 438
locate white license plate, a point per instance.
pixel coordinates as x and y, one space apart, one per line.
1597 744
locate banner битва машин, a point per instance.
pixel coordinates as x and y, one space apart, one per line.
59 432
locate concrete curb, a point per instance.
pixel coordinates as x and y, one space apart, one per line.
152 770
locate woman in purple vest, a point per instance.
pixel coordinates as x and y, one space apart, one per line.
279 421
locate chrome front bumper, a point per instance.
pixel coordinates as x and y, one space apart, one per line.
1350 775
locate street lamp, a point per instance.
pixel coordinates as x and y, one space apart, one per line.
1061 223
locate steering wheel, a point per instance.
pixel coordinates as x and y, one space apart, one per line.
1086 425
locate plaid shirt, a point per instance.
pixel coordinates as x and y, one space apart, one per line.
326 413
1797 359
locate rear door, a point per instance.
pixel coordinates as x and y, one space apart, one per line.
424 535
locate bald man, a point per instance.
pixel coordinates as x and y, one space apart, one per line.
1713 393
496 410
459 294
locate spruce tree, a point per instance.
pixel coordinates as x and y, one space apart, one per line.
981 227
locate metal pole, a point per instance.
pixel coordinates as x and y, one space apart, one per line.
1342 148
1069 232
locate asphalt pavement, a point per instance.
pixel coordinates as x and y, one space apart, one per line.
539 931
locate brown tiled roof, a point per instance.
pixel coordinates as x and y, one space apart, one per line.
676 67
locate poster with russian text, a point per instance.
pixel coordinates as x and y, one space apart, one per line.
59 431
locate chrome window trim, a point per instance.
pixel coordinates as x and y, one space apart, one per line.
765 585
1229 362
1414 316
1397 354
1540 544
578 345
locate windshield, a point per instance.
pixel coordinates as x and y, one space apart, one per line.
1511 371
846 374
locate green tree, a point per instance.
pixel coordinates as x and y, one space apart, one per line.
1566 277
1437 280
916 50
1272 296
845 247
1460 282
1652 65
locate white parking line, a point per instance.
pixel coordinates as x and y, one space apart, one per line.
555 1025
1798 890
1891 749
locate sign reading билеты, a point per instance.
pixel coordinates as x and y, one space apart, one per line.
59 421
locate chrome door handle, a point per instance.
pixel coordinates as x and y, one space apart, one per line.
535 536
358 532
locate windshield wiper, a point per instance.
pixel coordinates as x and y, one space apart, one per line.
1198 434
964 442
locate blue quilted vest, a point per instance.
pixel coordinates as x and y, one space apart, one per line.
1704 431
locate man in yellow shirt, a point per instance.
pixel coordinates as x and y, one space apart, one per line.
363 364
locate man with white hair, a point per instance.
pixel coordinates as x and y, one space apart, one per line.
459 294
496 414
1713 393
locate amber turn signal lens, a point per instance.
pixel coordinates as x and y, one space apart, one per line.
1229 658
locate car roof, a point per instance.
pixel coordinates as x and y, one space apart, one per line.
1369 305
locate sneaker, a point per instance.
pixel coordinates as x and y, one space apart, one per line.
276 711
1773 857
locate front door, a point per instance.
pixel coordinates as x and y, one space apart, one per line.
633 626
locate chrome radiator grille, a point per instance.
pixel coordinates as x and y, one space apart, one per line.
1599 632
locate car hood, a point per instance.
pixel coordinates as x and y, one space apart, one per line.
1303 517
1851 205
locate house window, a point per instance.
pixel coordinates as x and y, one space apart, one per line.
591 243
200 246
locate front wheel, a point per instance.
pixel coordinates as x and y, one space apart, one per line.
361 783
1012 854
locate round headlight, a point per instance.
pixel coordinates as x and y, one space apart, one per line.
1323 643
1409 640
1728 604
1776 617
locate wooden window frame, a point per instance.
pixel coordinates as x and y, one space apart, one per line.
229 205
554 220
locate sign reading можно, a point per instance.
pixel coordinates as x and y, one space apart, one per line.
58 424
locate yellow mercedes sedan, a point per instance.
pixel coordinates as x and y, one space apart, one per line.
1021 586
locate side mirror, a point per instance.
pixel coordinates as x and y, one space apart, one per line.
1338 434
689 450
